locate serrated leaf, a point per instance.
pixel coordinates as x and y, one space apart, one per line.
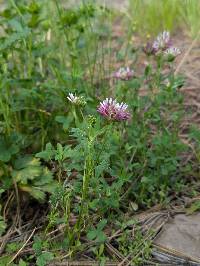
25 162
28 173
35 192
104 165
47 154
45 178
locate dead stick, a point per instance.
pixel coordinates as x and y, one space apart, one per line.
18 252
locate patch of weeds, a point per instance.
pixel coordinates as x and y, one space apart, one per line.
81 143
42 257
133 244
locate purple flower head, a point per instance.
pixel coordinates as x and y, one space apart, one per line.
148 49
113 110
162 41
124 73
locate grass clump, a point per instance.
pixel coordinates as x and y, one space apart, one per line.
151 16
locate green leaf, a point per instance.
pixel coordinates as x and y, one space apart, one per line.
92 234
195 133
5 260
101 237
22 263
16 25
35 192
51 187
7 150
13 247
101 224
46 177
12 39
28 173
37 245
47 154
33 178
26 161
28 168
65 121
62 153
103 166
44 258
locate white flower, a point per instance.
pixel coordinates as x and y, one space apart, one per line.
124 73
73 98
173 51
79 100
162 41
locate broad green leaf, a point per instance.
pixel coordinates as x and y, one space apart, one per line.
7 150
46 177
22 263
65 121
28 173
101 237
101 224
26 161
35 192
44 258
92 234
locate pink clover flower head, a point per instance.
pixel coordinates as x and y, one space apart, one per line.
162 41
124 73
112 110
172 51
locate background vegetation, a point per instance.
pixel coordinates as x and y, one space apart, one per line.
151 16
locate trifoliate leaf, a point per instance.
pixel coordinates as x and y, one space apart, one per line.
92 234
